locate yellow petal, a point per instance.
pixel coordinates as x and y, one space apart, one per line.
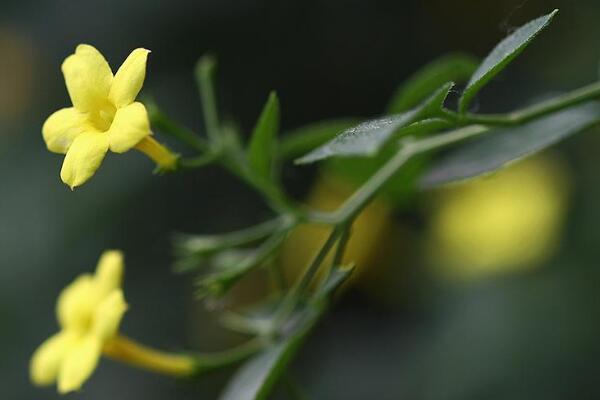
129 78
46 360
79 363
84 158
62 127
129 127
88 78
109 272
108 315
77 302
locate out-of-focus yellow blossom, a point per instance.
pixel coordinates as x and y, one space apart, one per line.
369 231
104 115
16 75
89 312
507 222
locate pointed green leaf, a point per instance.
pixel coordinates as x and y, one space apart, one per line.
501 56
261 149
367 138
449 68
504 146
256 378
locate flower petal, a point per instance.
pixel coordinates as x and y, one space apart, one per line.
62 127
109 272
129 78
108 315
45 362
88 78
84 158
79 363
77 302
130 125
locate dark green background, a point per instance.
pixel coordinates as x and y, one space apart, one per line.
524 337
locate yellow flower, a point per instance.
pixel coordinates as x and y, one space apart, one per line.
508 222
104 115
89 312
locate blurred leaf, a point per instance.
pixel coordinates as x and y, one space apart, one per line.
450 68
369 137
301 140
202 245
503 146
261 149
226 268
254 320
501 56
256 378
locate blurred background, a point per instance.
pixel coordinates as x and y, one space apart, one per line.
426 317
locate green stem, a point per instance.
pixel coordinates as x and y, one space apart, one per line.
205 73
363 196
289 302
167 126
532 112
210 361
341 247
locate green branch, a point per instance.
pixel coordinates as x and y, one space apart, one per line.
578 96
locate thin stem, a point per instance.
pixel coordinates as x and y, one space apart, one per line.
210 361
363 196
205 73
196 162
527 114
443 139
200 244
288 304
341 247
169 127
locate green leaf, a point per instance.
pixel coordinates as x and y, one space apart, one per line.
503 146
256 319
261 149
256 378
501 56
186 245
301 140
367 138
224 269
449 68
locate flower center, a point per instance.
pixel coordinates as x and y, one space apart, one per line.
102 118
